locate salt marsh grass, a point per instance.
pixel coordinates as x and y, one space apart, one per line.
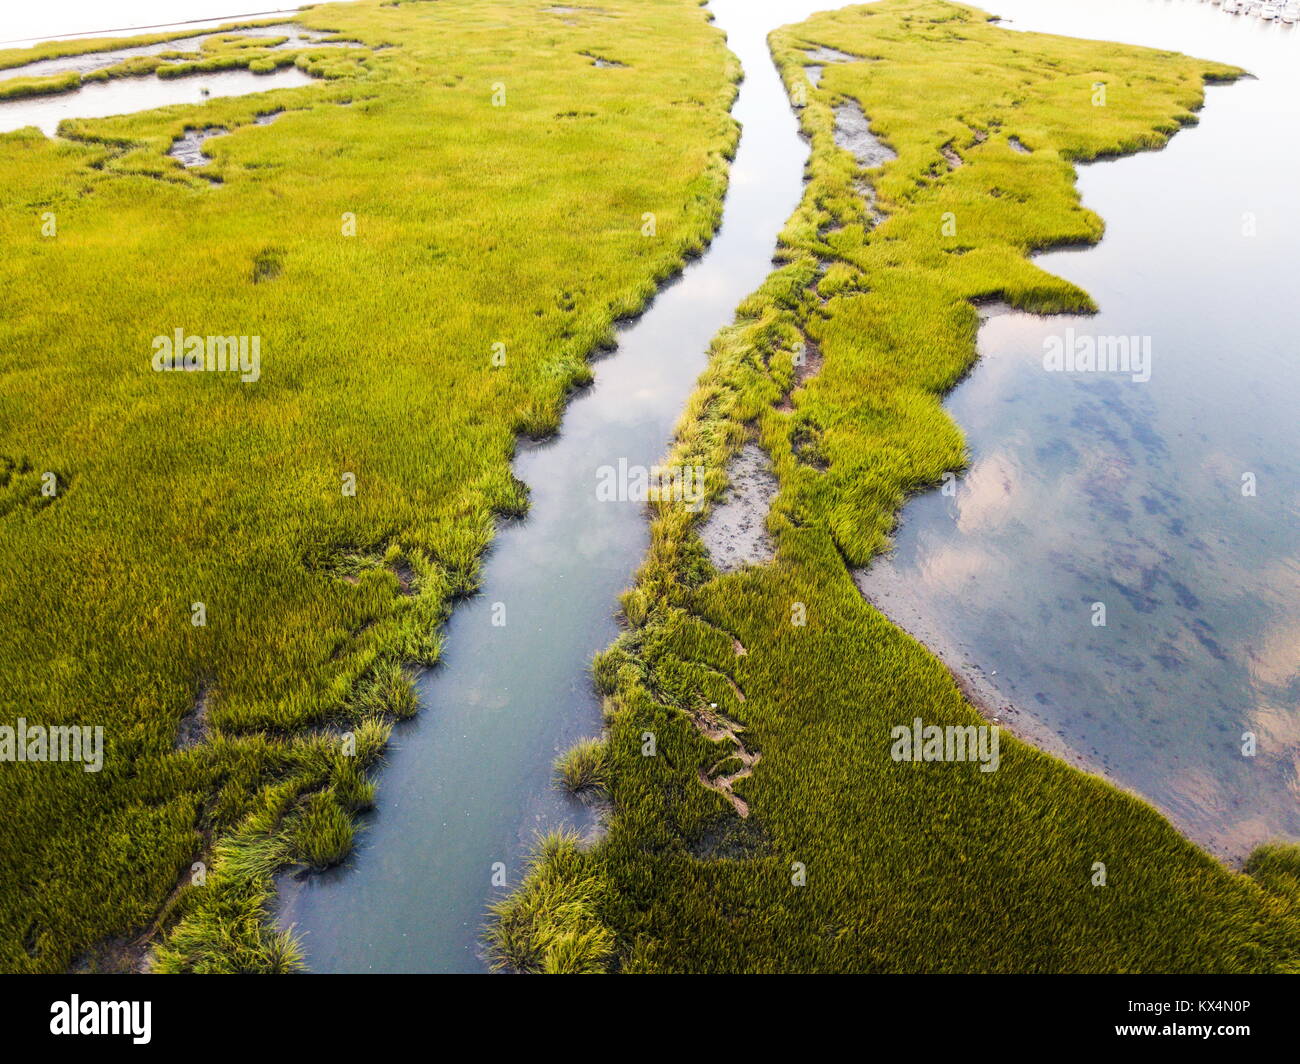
584 767
428 274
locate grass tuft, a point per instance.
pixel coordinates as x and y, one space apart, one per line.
550 924
584 767
321 832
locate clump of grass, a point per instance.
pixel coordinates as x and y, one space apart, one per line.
584 767
225 928
322 832
388 689
353 791
14 88
551 924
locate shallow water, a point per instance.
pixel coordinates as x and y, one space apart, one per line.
1095 488
468 782
127 95
295 37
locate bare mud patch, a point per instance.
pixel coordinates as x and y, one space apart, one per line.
734 765
734 533
853 134
194 728
1017 145
823 54
189 147
820 56
805 369
601 61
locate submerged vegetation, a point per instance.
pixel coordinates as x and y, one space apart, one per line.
236 580
838 857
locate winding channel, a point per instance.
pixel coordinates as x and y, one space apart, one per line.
467 783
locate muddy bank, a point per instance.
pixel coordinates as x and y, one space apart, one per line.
984 686
853 134
735 532
819 57
188 148
893 596
822 54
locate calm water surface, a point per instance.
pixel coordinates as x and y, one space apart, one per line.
23 26
1089 488
127 95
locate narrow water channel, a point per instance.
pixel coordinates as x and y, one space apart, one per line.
128 95
468 782
122 96
1172 502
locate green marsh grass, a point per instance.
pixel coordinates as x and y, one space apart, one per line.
382 238
848 860
584 767
550 925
